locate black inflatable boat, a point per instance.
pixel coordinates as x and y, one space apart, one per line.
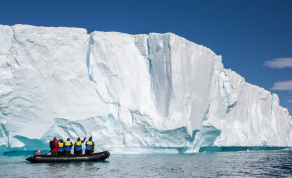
68 158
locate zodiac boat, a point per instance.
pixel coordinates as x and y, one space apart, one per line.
68 158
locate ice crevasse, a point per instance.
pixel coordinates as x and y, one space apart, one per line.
156 93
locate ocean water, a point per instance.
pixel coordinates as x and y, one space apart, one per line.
219 164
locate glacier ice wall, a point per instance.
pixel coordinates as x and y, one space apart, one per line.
131 93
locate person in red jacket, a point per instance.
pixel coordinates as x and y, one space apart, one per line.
54 148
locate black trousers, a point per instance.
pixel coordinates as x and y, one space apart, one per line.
78 152
88 152
67 152
54 153
61 153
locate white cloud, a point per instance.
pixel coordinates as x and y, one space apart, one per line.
283 85
290 101
279 63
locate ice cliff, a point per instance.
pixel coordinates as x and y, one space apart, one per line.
131 93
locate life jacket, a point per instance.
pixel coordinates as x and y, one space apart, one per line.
61 147
89 145
78 146
67 146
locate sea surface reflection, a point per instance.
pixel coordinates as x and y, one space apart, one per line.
224 164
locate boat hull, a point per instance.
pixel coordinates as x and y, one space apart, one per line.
68 158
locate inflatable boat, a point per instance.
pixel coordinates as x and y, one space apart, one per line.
68 158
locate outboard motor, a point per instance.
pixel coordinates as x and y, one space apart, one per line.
38 152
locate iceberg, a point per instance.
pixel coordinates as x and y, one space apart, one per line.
156 93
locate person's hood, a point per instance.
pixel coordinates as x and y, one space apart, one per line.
54 139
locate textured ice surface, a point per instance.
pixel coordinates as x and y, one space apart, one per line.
131 93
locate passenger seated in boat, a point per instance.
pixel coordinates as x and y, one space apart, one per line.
78 146
89 146
54 146
61 150
68 147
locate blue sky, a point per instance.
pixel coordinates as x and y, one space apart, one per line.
247 33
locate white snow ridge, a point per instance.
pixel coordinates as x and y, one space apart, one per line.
156 93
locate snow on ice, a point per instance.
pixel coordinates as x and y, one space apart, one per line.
156 93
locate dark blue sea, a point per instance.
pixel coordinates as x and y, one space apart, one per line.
219 164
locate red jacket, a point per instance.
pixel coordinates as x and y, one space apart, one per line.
56 146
